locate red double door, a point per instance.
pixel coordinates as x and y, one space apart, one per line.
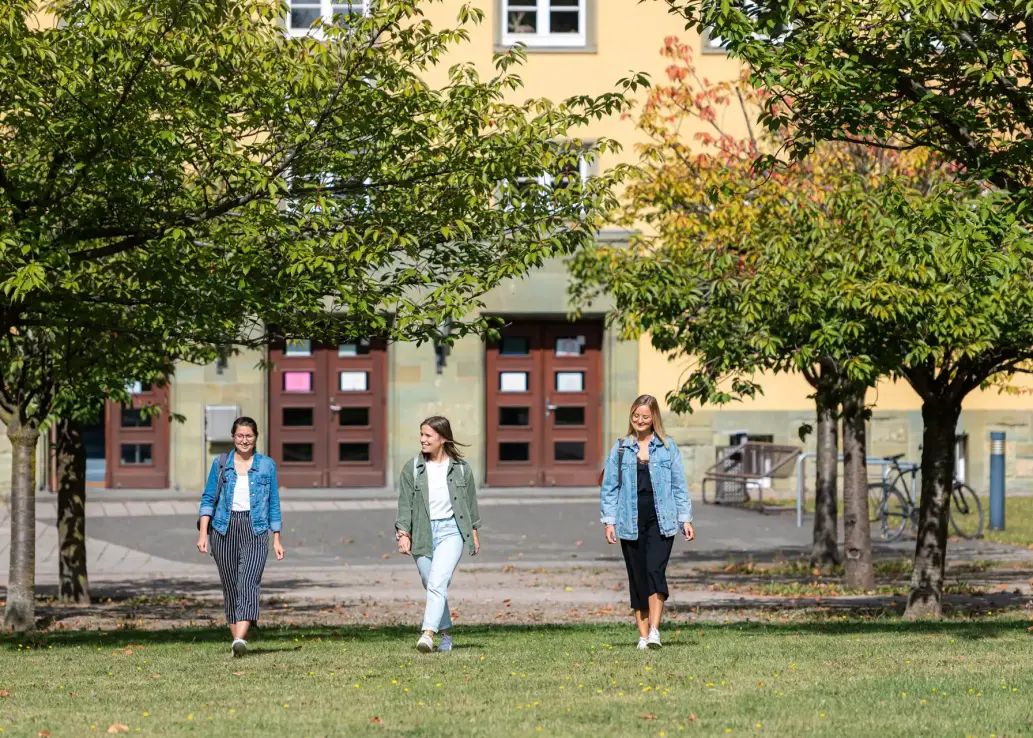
327 416
137 443
544 404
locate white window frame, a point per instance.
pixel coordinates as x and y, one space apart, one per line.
584 168
544 38
325 12
716 45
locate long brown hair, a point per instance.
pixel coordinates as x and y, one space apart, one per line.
654 408
443 428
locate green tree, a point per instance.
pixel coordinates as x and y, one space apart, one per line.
714 295
951 75
181 173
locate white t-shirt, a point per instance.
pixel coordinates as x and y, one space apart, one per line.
241 494
437 485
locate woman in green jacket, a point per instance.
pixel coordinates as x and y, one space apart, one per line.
437 515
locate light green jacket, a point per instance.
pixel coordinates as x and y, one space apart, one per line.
414 504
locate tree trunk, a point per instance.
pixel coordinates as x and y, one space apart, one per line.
825 544
71 513
940 419
20 610
857 538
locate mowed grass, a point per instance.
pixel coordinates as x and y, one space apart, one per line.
1018 521
828 677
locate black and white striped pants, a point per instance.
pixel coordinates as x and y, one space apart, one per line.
240 556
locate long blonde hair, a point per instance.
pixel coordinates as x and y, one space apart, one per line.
654 408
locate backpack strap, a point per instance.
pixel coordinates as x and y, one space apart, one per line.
224 460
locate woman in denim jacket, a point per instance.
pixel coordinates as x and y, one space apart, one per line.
644 502
247 508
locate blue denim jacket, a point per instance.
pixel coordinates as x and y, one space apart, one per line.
670 491
265 495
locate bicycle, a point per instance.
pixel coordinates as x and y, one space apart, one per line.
890 510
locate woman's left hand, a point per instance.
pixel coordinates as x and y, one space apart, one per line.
278 548
476 544
688 530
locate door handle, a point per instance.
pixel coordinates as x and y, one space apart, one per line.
549 407
335 408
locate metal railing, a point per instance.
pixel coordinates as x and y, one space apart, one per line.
885 464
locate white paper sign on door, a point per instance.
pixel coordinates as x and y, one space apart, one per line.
570 381
354 381
513 381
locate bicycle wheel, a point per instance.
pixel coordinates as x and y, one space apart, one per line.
887 512
966 512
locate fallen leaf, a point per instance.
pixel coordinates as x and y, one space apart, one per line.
155 676
73 694
128 652
386 556
238 673
377 720
118 728
646 716
44 734
692 718
5 693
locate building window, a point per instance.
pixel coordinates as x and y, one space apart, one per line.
545 23
304 13
759 15
514 193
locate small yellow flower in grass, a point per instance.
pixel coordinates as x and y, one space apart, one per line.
356 685
233 711
539 728
190 717
420 704
923 702
285 705
406 689
822 715
146 714
757 725
438 684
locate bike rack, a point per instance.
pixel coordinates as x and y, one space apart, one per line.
880 461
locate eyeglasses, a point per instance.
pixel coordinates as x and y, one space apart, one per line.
244 439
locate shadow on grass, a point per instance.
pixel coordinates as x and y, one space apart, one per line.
275 640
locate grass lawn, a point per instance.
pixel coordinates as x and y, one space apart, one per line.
829 677
1018 521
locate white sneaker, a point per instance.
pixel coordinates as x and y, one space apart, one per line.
642 644
654 638
239 647
446 644
425 644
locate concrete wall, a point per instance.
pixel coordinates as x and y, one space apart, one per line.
5 464
242 382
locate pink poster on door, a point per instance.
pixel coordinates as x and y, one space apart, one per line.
297 381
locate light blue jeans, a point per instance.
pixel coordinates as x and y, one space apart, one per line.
436 572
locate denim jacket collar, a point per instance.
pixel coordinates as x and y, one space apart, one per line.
632 442
256 460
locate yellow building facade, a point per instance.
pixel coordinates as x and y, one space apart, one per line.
540 407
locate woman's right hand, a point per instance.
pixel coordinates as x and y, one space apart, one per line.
202 542
404 544
611 534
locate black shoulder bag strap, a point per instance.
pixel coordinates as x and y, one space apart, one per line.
620 464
